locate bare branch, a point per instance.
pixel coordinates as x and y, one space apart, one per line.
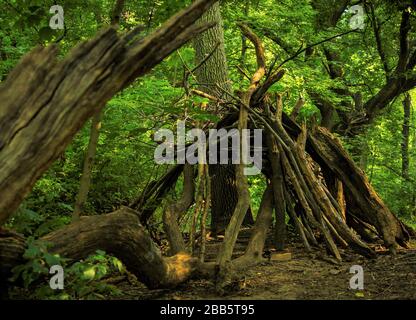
404 42
377 34
261 59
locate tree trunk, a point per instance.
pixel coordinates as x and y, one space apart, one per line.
215 70
211 74
84 186
407 104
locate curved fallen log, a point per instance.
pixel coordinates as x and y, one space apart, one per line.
12 247
119 233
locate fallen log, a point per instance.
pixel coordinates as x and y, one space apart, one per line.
119 233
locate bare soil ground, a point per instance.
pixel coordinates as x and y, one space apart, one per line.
306 276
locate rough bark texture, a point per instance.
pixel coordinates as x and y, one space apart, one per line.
119 233
215 70
44 101
211 74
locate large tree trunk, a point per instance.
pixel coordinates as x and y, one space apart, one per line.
44 101
214 71
119 233
407 105
211 74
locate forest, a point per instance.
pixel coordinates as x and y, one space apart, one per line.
233 149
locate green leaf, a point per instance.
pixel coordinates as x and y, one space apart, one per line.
89 273
52 259
101 270
117 264
100 252
32 252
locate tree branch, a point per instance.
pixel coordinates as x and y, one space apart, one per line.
404 42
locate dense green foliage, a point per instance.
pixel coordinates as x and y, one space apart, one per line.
124 163
83 279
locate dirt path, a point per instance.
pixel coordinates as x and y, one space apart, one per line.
305 276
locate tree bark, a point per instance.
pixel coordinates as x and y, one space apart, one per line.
175 210
119 233
211 74
84 186
407 104
215 70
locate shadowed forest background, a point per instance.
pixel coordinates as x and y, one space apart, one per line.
338 185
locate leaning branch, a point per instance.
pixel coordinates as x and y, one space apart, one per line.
41 112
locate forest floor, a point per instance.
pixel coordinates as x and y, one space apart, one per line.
306 276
